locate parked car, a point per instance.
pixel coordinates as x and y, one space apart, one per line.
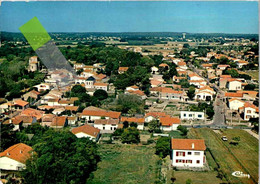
224 138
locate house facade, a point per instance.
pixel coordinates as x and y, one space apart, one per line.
191 115
86 131
188 152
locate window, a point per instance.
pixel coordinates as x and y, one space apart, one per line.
198 161
189 153
189 161
248 111
190 115
103 128
199 115
196 153
184 115
180 153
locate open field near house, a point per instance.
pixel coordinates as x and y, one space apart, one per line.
230 158
126 164
196 177
253 74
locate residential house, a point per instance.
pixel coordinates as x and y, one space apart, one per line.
169 123
100 85
33 95
177 79
234 95
33 112
106 125
72 120
14 157
27 120
164 66
154 116
222 67
59 122
93 113
170 94
43 87
182 65
205 93
188 152
122 70
138 121
234 84
249 111
47 119
241 63
19 104
132 88
87 131
16 122
192 115
235 104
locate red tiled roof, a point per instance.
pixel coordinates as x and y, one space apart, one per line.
137 92
123 69
19 152
225 76
132 119
106 121
234 94
186 144
71 108
87 129
100 84
33 112
59 121
163 65
20 102
169 121
100 113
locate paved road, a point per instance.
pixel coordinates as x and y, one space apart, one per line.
219 118
252 133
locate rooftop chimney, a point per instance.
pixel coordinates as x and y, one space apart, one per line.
192 146
21 151
8 153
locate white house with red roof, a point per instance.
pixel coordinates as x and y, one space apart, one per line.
154 116
205 93
106 125
249 110
234 84
235 104
14 157
86 131
169 123
188 152
93 113
138 121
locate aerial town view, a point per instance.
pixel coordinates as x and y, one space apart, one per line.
128 92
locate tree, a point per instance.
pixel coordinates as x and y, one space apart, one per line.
191 92
133 124
8 137
153 125
61 158
163 147
183 130
78 89
188 181
255 123
125 124
100 94
127 102
249 87
130 135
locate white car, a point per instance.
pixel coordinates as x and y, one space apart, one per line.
224 138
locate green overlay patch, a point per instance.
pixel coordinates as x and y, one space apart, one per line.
35 33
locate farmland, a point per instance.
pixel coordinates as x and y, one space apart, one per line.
242 157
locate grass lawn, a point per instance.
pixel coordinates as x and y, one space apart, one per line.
176 135
230 157
254 74
123 164
196 177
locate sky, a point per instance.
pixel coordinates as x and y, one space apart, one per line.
114 16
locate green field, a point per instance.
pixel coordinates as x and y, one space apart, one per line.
196 177
254 74
123 164
243 157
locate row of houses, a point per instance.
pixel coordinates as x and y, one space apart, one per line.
185 152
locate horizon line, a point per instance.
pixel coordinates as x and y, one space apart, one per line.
137 32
